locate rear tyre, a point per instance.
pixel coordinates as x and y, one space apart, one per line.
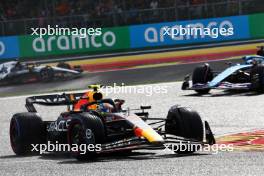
257 78
78 68
184 122
46 74
26 129
202 75
64 65
85 130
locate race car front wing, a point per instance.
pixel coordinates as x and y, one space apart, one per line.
221 85
137 143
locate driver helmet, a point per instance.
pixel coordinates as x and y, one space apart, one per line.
88 97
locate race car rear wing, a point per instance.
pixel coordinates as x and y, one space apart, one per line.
52 100
66 100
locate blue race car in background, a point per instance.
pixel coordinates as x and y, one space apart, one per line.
246 76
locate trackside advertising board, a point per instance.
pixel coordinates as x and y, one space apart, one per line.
111 39
150 35
132 37
9 47
256 26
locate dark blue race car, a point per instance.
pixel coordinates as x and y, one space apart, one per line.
246 76
15 72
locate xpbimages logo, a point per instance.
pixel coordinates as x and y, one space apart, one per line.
196 31
57 147
59 31
176 33
214 149
147 90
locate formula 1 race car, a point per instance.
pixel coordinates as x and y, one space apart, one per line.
246 76
14 72
114 129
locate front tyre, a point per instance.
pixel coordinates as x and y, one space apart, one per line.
184 122
46 74
202 75
257 78
85 130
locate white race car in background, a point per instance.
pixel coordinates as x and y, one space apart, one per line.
15 72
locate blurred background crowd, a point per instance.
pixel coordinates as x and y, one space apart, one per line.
18 16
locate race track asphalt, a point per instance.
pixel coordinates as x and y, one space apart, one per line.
226 112
169 73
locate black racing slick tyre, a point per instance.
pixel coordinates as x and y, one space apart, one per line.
64 65
202 75
26 129
46 74
86 130
184 122
257 78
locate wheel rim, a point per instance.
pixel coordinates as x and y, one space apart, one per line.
44 75
76 134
